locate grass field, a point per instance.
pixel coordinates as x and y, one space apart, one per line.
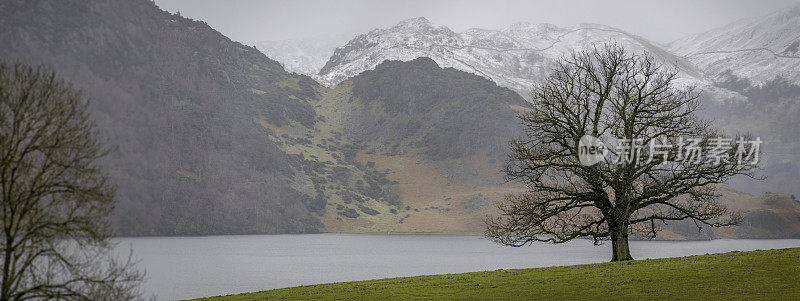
762 275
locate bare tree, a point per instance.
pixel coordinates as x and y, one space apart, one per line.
612 95
56 199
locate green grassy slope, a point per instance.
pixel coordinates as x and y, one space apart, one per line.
766 275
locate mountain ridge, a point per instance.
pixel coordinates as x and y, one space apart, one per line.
516 57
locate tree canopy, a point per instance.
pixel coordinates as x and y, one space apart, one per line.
56 198
649 168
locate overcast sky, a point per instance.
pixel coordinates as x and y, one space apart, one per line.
662 21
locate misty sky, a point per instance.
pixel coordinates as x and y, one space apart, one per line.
662 21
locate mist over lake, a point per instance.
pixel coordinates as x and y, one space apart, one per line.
192 267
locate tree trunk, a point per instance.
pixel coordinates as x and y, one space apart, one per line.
619 244
5 289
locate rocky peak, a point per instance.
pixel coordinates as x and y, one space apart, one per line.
415 23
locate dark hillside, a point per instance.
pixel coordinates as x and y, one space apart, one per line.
447 112
178 102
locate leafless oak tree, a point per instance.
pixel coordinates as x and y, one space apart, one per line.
56 199
608 92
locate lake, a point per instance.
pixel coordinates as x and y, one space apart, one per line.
190 267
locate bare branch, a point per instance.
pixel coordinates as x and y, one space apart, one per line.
56 199
608 92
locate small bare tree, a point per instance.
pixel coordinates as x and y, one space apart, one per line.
609 94
56 200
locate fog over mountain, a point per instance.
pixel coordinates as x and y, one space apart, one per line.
758 49
305 56
516 57
274 27
407 134
661 21
520 55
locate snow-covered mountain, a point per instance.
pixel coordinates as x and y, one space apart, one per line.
514 57
758 49
306 56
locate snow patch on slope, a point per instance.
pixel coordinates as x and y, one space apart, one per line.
758 49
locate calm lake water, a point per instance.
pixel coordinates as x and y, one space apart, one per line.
190 267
